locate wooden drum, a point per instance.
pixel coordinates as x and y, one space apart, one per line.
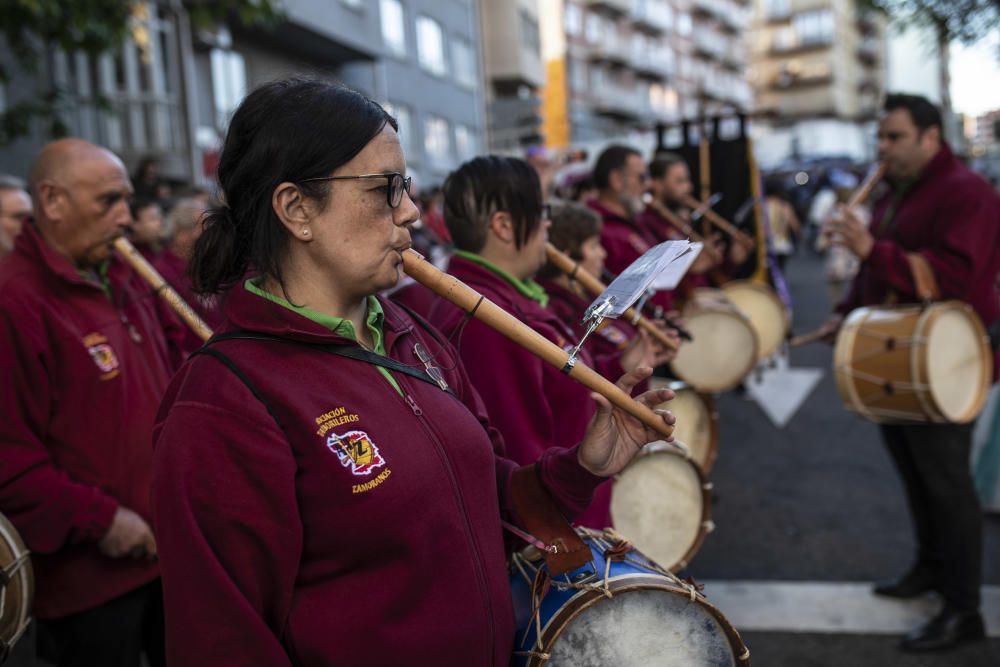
17 585
724 346
662 503
767 313
899 364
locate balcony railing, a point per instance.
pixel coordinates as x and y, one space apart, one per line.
651 15
658 62
615 6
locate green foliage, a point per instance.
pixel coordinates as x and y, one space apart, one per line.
967 21
33 28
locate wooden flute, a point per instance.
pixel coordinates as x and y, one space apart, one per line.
160 286
729 228
592 284
469 300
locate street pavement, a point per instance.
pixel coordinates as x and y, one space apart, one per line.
817 501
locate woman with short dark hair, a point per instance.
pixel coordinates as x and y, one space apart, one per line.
320 498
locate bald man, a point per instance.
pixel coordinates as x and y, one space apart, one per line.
84 363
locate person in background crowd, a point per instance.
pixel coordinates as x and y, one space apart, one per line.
149 183
184 226
146 231
782 222
315 509
15 208
938 221
617 346
85 364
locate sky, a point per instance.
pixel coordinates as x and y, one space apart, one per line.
975 76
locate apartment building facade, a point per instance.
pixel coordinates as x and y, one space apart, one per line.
172 87
617 66
818 68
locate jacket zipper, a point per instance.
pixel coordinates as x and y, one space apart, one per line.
419 413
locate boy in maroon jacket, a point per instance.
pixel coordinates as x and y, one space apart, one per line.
940 215
493 209
86 366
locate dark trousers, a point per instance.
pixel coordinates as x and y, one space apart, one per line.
933 461
114 634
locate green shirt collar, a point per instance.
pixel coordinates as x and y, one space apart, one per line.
99 275
342 327
528 288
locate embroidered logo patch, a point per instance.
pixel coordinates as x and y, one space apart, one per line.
103 355
614 335
356 451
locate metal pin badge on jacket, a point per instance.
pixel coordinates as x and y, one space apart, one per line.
431 369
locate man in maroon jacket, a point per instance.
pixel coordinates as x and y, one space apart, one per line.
85 364
620 176
940 215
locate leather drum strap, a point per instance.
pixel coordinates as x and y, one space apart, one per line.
923 277
539 516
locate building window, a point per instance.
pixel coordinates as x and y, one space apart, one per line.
777 9
437 144
529 32
229 83
814 27
573 18
465 63
430 46
402 115
683 23
784 39
393 26
594 28
465 143
577 76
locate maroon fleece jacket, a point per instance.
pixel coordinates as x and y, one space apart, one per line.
625 241
334 521
534 405
83 376
951 216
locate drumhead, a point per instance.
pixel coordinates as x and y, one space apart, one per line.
768 315
660 504
723 350
644 628
957 372
16 597
696 424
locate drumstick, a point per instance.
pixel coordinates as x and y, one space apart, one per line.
159 285
737 235
571 268
454 290
683 227
807 338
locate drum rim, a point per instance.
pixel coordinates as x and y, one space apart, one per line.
713 418
705 525
622 584
767 291
713 387
920 363
12 546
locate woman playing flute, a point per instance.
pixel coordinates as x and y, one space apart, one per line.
313 508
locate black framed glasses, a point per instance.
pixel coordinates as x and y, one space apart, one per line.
396 184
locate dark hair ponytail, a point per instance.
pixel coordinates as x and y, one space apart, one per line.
288 130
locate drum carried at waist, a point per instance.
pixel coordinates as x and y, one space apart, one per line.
662 502
17 585
697 426
619 609
904 364
724 348
767 313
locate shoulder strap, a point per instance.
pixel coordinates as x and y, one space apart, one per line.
231 365
349 351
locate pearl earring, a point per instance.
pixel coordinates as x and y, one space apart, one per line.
305 232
